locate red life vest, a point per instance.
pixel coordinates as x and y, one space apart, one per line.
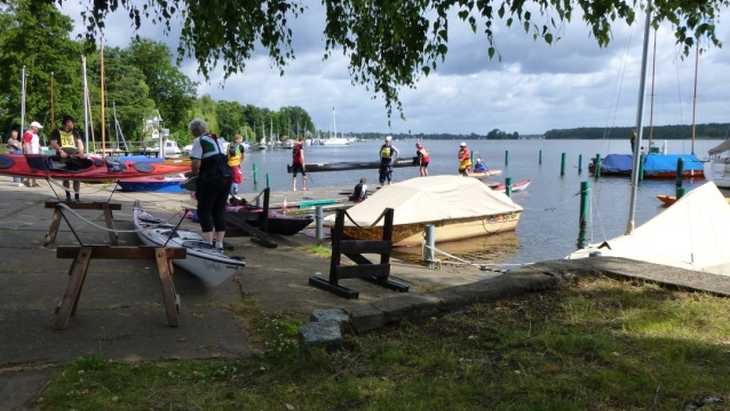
425 158
297 154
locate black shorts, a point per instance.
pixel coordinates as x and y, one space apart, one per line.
298 168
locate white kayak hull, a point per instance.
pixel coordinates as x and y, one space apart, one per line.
209 265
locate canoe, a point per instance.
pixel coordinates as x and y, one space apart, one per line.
487 173
668 200
354 165
521 185
86 169
157 184
279 223
203 261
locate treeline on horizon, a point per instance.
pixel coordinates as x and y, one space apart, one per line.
669 132
494 134
141 81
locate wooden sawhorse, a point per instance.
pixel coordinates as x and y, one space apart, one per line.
82 257
106 208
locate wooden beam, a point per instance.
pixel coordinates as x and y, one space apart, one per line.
95 205
50 237
257 236
77 275
362 271
169 296
365 247
121 252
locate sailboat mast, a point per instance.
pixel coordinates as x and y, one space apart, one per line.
694 96
22 102
334 121
653 80
53 111
86 103
102 98
639 124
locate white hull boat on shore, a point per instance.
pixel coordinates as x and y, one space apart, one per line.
203 261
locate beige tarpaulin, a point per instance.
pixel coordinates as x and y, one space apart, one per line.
431 199
720 148
694 234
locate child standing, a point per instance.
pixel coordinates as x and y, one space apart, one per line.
235 158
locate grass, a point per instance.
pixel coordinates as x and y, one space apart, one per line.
318 249
600 345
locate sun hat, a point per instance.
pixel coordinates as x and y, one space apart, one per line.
463 144
36 125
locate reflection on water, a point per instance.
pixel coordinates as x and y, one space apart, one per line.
491 249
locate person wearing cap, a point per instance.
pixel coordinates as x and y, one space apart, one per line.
66 141
464 157
15 147
479 166
32 145
423 159
388 155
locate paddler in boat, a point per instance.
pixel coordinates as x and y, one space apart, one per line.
464 157
68 144
210 165
236 156
423 159
479 166
388 155
298 165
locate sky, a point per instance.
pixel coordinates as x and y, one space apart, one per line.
533 88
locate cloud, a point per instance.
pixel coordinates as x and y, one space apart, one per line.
533 88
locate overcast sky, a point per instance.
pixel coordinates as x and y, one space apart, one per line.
535 87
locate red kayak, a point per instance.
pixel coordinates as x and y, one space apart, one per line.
86 169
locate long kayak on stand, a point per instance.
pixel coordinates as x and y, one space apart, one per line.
354 165
86 169
204 261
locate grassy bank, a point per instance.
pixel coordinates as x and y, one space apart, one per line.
600 345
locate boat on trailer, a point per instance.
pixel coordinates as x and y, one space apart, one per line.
203 260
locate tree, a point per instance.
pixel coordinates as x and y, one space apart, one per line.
390 44
37 36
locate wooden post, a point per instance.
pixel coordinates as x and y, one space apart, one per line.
167 286
508 186
77 274
679 191
506 157
50 237
429 253
562 164
336 238
108 218
387 234
268 182
265 213
584 214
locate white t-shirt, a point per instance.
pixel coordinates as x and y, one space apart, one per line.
35 143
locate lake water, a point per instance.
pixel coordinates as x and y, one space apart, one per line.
549 225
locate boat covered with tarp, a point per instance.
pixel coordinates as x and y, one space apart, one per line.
656 165
693 234
459 208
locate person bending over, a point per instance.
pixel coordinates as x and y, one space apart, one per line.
360 192
210 164
66 141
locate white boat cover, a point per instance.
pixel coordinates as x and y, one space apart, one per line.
694 234
431 199
720 148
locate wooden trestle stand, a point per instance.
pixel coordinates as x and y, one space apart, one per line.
106 209
83 255
364 269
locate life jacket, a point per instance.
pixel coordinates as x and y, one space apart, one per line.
386 151
424 155
297 154
464 158
67 139
235 153
214 161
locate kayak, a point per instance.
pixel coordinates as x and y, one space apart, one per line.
155 184
279 223
204 261
487 173
354 165
521 185
86 169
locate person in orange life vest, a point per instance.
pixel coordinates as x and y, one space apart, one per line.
298 165
464 159
236 156
69 146
423 159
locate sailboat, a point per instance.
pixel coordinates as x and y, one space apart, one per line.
720 164
657 163
333 140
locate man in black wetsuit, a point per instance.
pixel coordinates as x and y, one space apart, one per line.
210 164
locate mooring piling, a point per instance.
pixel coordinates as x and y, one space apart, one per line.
253 174
506 157
597 166
268 182
584 214
508 186
679 191
429 245
539 157
580 164
562 164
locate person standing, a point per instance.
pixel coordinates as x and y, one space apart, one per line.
32 145
210 165
388 155
236 156
15 146
68 144
298 165
464 157
423 160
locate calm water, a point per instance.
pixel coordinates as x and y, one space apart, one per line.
549 224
